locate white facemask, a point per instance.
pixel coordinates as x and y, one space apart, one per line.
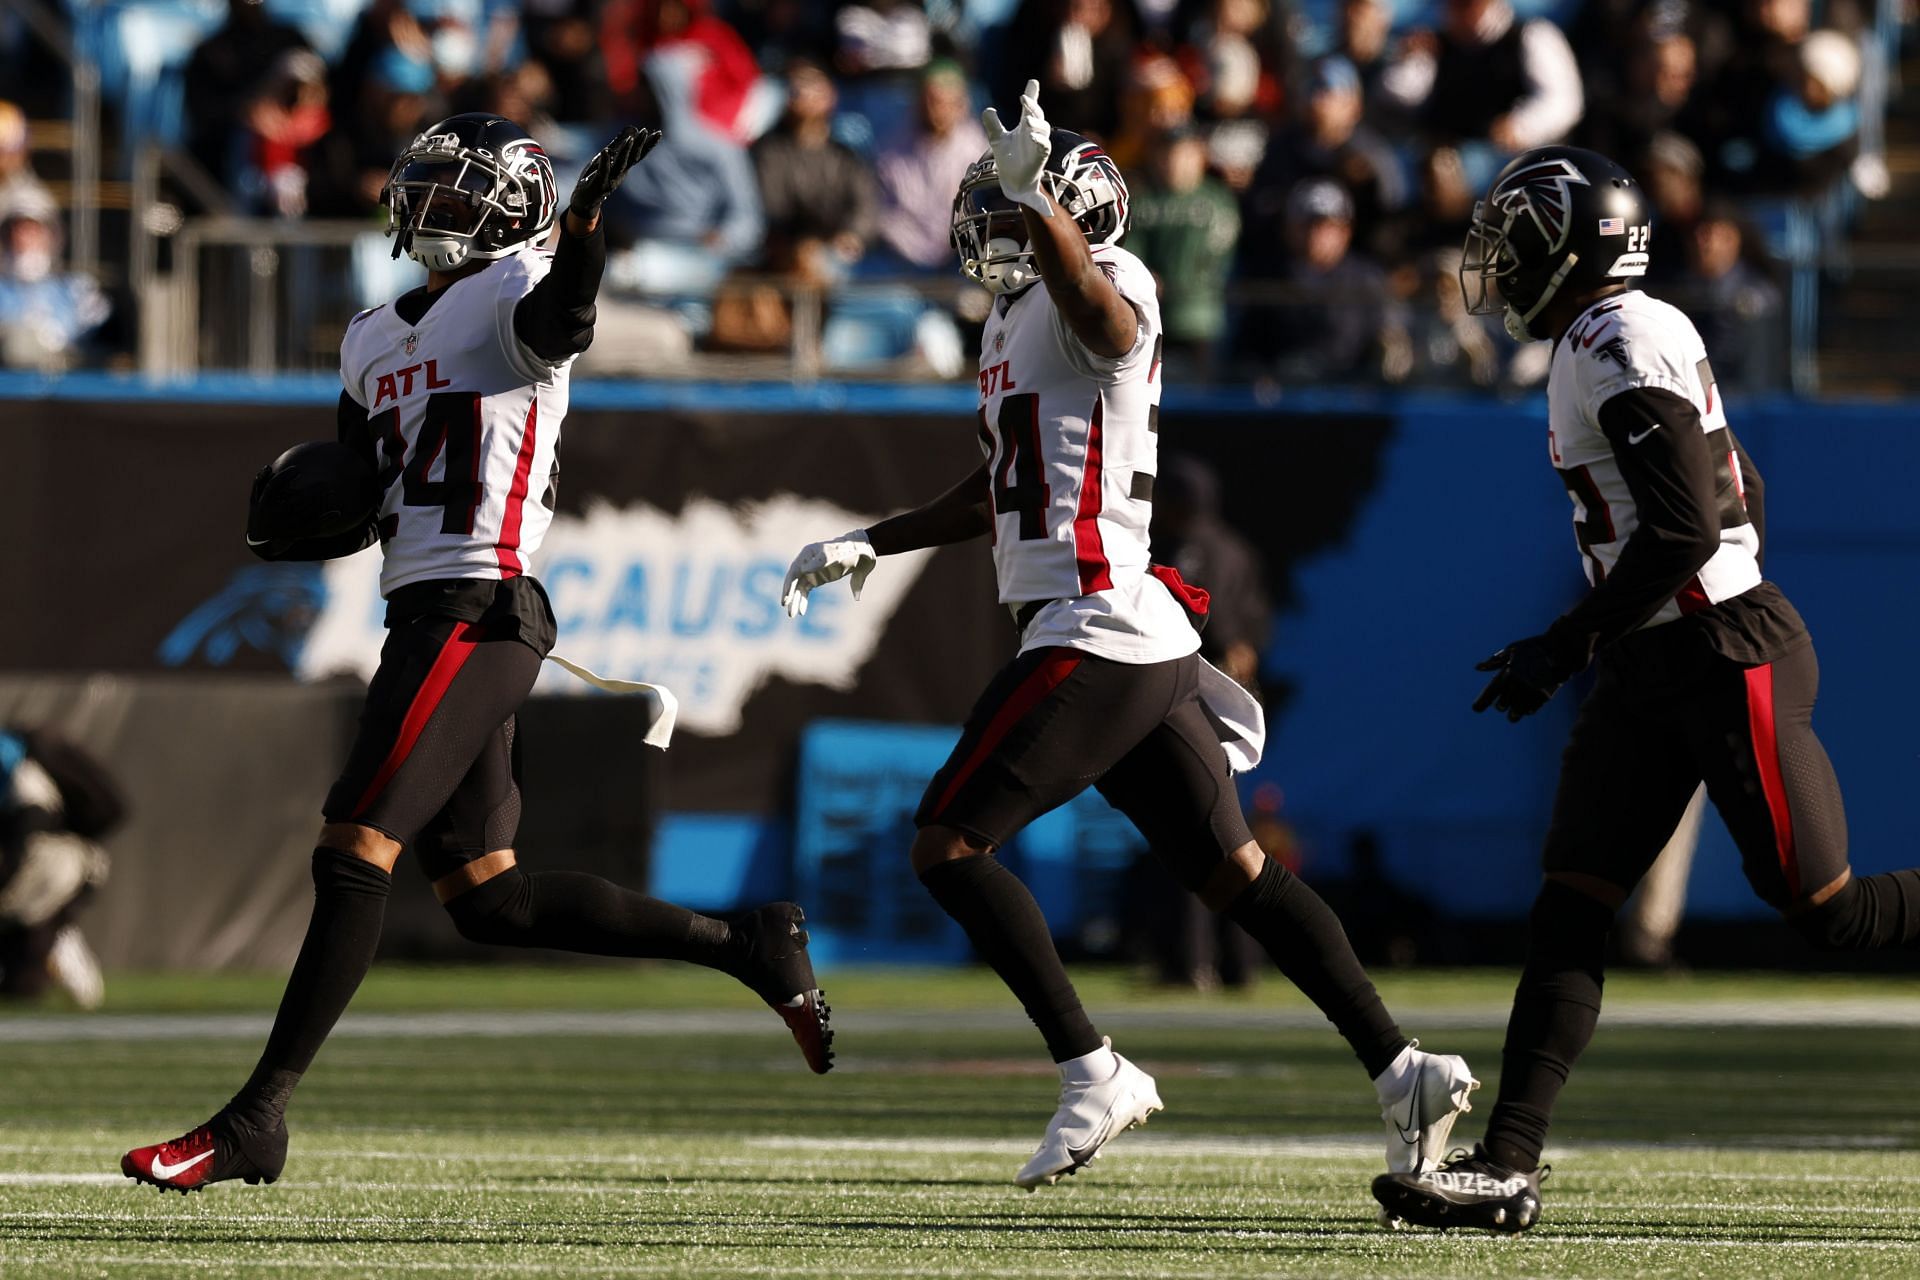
1006 277
437 252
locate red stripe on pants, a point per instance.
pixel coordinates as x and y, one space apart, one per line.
1766 750
426 699
1055 667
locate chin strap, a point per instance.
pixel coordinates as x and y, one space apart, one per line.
1546 295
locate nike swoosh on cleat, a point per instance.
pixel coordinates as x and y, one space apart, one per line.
1081 1155
161 1169
1410 1131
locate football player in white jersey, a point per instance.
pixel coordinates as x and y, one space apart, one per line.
1704 670
1107 688
453 402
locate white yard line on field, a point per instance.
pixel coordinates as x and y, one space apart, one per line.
1896 1011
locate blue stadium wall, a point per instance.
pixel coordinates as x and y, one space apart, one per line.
1407 537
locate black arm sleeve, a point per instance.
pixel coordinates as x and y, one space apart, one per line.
1754 491
555 319
1663 456
356 432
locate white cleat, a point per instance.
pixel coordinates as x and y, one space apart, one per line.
1090 1116
1420 1121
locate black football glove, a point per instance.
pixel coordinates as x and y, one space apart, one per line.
608 166
1526 675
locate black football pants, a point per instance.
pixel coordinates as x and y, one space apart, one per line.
1666 714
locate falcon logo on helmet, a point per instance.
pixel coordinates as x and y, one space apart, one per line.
472 186
1541 192
989 233
1538 233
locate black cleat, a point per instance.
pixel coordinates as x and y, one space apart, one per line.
1469 1190
781 973
220 1150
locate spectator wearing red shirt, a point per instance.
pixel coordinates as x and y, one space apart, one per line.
632 30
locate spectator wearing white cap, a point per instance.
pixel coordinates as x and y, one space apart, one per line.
1812 127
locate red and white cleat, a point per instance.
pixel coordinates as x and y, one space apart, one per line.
781 973
215 1152
808 1016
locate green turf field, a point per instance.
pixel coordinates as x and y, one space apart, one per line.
620 1122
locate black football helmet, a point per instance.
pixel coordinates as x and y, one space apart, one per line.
321 489
1555 218
987 229
472 186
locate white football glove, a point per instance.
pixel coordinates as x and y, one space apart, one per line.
822 562
1020 153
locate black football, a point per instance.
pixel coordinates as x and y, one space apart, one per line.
314 490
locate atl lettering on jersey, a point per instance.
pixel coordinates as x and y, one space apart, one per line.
467 422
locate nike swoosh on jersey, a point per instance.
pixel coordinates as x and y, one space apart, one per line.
1637 438
161 1169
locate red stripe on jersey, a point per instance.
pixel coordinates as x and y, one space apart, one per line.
1054 668
453 655
507 550
1088 549
1766 752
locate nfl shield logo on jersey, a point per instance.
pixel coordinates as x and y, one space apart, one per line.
411 343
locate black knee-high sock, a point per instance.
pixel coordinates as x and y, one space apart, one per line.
349 905
1555 1010
574 911
1305 939
1868 914
1011 935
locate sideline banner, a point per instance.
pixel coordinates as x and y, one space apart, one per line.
664 564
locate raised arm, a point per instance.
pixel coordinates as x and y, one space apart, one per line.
555 319
1103 321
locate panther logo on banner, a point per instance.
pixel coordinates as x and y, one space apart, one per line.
688 600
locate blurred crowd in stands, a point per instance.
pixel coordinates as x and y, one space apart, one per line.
1301 176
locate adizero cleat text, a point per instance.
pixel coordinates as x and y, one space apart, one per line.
1469 1190
1089 1117
781 973
1420 1121
218 1151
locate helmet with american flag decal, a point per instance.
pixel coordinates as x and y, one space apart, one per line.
1556 219
988 232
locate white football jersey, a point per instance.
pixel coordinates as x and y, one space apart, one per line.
1071 441
467 422
1619 344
